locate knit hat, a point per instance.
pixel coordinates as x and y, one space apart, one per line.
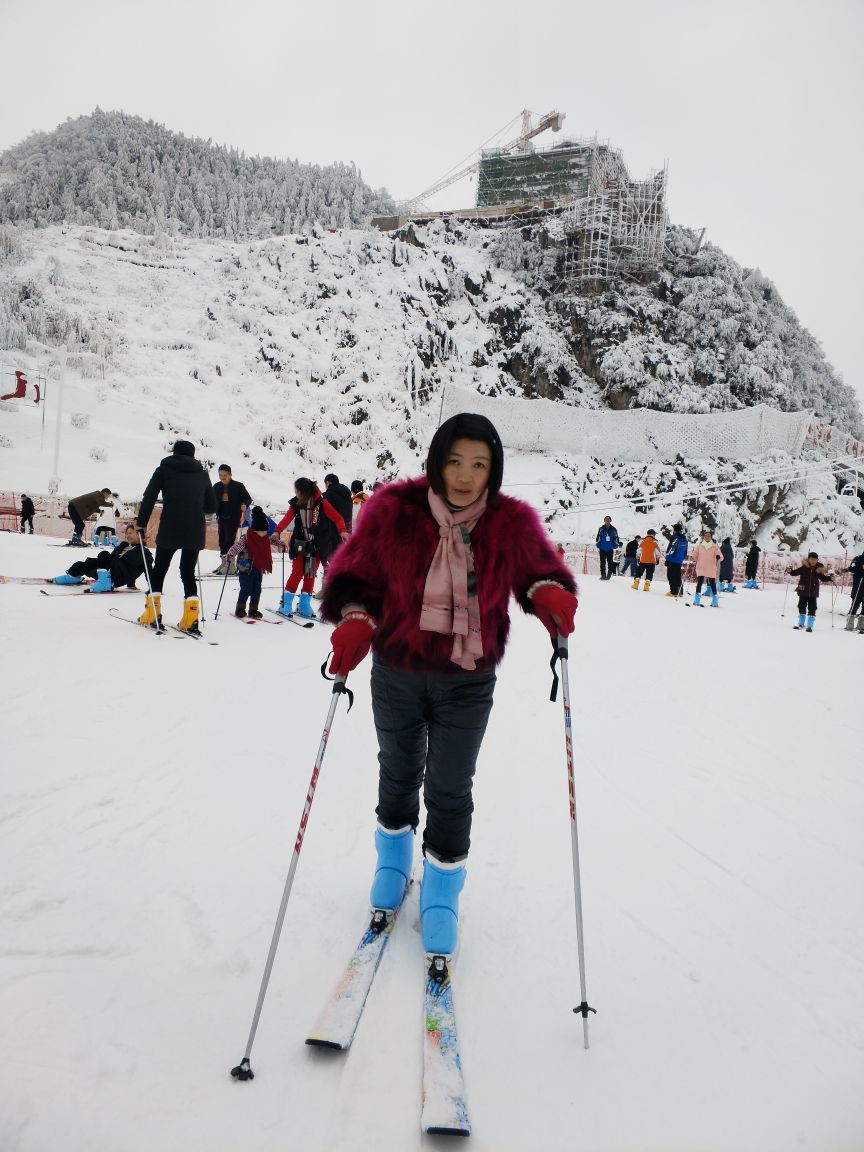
812 555
259 520
184 448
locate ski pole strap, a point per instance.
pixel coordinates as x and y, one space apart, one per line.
559 652
339 685
583 1009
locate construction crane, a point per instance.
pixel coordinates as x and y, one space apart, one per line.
521 144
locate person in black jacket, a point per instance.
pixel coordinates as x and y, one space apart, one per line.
727 566
630 561
232 500
115 569
28 511
751 565
810 575
187 497
857 570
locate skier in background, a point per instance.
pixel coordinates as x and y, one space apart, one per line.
649 554
630 561
857 570
607 541
425 580
707 556
118 568
727 566
751 565
316 524
187 498
358 497
28 511
676 554
82 507
810 575
232 500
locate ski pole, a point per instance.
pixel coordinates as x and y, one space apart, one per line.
159 627
221 594
560 655
785 595
243 1071
200 589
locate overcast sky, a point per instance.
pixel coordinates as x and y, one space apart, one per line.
757 105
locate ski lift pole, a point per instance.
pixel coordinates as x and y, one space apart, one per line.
561 657
243 1071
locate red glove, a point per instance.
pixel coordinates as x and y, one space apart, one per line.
555 608
351 641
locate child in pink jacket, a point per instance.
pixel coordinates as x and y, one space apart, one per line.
707 555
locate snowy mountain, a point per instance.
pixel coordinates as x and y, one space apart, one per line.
114 171
295 354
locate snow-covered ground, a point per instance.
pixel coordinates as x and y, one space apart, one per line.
150 792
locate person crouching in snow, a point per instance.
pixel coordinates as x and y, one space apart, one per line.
707 556
311 542
649 554
425 581
810 575
253 557
115 569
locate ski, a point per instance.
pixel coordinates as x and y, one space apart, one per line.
299 621
252 620
69 544
73 590
337 1023
26 580
112 612
445 1111
192 635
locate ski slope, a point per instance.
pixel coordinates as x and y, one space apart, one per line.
150 793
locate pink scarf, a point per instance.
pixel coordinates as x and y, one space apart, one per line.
448 605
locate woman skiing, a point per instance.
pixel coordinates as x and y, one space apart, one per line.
707 556
425 580
311 542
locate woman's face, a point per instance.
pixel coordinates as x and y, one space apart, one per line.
466 472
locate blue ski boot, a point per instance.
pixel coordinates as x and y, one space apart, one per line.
697 600
103 581
304 608
801 620
439 905
67 579
811 620
715 603
395 849
286 604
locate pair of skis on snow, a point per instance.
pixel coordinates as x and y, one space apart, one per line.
444 1108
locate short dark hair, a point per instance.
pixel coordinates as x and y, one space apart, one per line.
331 478
464 426
356 486
108 490
225 468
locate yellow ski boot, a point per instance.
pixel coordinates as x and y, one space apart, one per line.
646 587
189 623
635 583
152 615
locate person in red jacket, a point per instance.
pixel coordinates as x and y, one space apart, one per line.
425 581
810 575
311 542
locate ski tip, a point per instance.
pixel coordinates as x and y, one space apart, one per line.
445 1130
314 1042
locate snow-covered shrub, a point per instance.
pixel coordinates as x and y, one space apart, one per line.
5 442
80 420
98 455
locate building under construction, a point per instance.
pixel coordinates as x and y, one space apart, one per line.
611 225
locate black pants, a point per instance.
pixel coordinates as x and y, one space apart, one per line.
77 522
605 562
430 729
188 560
250 587
227 526
807 605
646 570
120 573
710 581
27 520
857 597
673 575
